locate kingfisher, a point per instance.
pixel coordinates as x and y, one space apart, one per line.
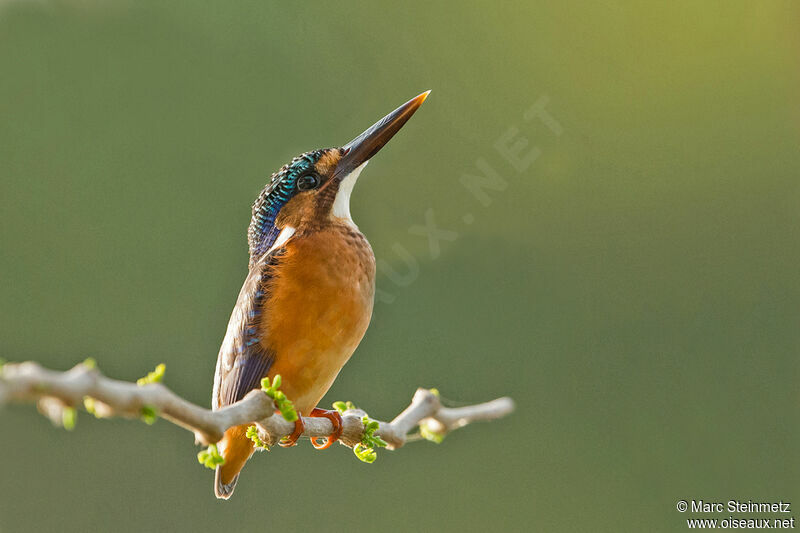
308 296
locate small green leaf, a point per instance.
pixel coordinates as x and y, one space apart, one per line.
365 450
69 416
153 377
435 392
149 414
90 406
210 457
90 363
252 434
283 404
344 406
429 434
364 453
288 411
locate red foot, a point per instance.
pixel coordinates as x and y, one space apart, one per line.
336 421
291 440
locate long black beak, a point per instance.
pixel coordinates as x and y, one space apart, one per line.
363 147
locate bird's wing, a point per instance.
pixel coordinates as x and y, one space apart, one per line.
243 360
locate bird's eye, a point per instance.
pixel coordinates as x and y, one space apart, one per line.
307 182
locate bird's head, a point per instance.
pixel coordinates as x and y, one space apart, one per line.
314 188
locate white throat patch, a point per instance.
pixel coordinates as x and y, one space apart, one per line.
283 236
341 204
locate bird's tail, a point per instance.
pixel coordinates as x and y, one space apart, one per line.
222 490
236 449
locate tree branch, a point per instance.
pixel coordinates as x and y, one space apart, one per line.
54 391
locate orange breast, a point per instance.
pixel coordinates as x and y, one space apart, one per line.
319 308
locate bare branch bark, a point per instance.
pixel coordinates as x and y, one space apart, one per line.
53 391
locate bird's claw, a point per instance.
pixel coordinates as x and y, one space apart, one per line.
291 440
336 421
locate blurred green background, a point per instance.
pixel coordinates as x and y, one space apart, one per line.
635 289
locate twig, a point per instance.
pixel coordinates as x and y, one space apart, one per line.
54 391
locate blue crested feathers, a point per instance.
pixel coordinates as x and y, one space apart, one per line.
282 187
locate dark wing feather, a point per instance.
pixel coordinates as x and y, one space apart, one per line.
243 360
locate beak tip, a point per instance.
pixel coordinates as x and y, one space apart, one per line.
363 147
